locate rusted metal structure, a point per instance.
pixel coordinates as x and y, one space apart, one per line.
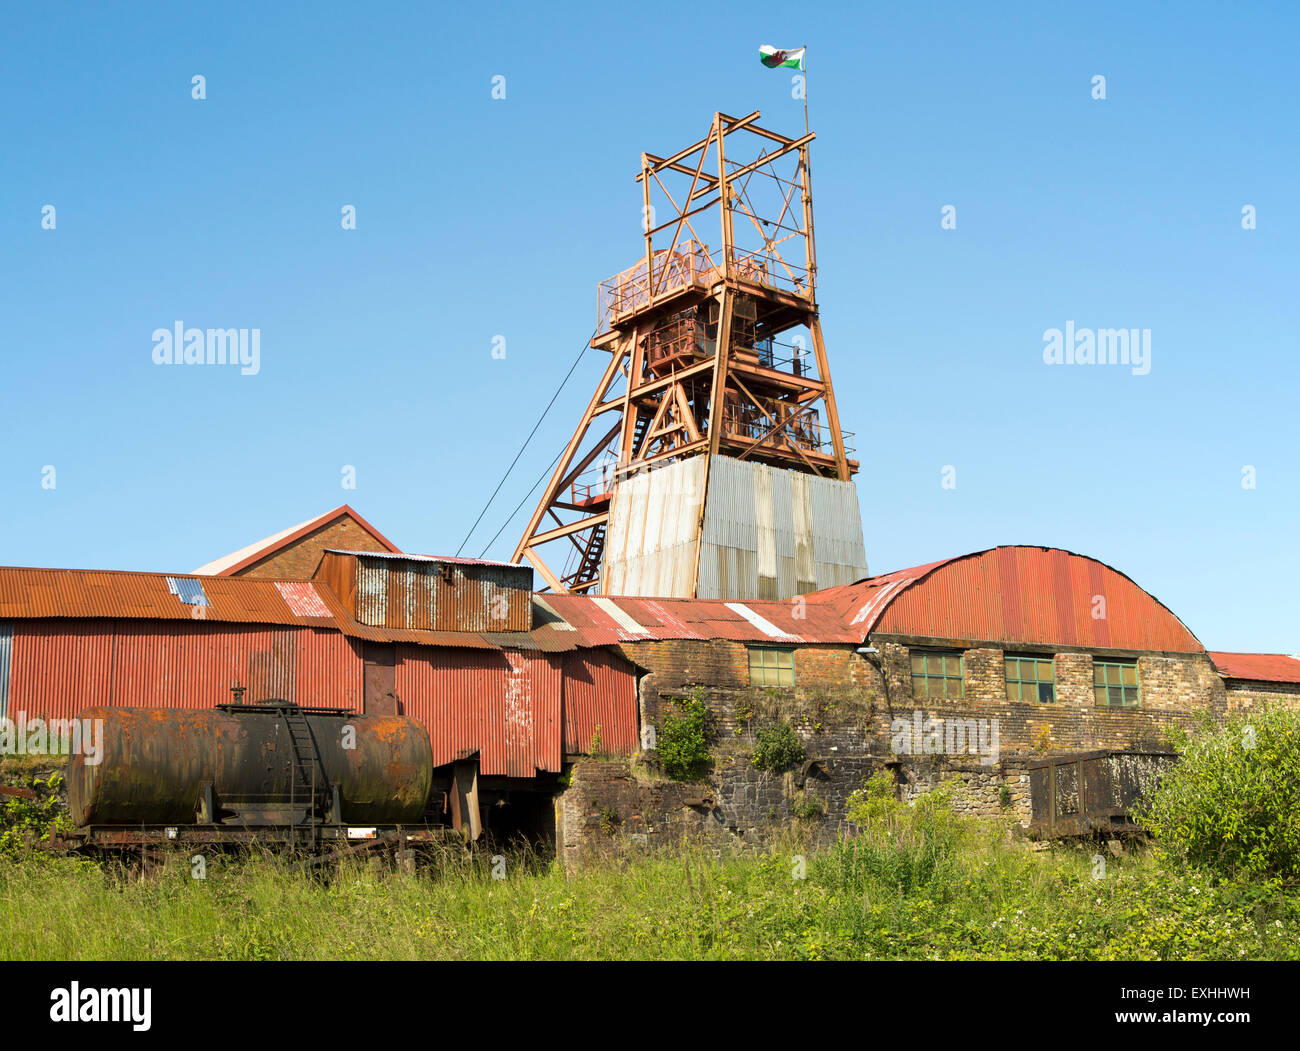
500 707
716 359
1092 792
427 593
250 766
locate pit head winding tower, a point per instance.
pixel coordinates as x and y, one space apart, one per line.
710 461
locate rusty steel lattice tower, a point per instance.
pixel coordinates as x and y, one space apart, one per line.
709 461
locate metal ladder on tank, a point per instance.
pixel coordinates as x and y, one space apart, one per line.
307 774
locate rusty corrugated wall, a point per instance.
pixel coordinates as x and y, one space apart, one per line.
441 595
60 667
600 695
503 704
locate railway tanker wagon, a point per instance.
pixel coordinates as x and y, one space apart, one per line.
245 768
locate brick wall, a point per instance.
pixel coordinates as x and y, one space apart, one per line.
1242 695
298 561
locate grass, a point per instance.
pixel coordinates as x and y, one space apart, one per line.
948 891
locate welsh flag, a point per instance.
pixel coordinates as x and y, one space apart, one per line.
774 58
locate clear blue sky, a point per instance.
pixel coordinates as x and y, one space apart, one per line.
478 217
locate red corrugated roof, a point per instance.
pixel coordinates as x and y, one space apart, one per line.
1031 595
608 620
1038 595
114 594
1259 667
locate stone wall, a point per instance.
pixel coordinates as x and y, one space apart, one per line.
855 715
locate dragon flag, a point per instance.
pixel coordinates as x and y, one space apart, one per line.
775 59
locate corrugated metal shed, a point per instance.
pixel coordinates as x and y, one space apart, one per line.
420 592
1257 667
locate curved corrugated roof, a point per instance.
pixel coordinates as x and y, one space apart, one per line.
1021 593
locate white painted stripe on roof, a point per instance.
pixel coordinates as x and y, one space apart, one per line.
619 616
763 625
302 598
878 599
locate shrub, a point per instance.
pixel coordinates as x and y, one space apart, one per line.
21 819
778 747
1232 803
682 740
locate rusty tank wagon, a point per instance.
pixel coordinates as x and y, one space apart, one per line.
268 773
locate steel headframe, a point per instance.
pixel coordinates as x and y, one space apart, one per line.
691 335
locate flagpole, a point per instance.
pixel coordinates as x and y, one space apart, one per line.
805 88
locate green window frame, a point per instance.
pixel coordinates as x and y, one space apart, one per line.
1030 679
771 666
937 673
1115 683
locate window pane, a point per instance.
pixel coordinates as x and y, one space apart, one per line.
1013 691
918 686
1098 674
954 687
1013 668
1116 695
1045 671
1130 674
1100 692
918 663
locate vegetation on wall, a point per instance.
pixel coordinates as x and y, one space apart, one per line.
682 739
777 747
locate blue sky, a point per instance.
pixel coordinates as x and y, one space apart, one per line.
478 217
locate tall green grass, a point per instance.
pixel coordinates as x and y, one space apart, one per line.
916 883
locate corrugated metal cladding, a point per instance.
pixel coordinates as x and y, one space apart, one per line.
653 532
504 705
440 595
599 698
61 667
1035 595
6 640
1258 667
771 533
768 533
